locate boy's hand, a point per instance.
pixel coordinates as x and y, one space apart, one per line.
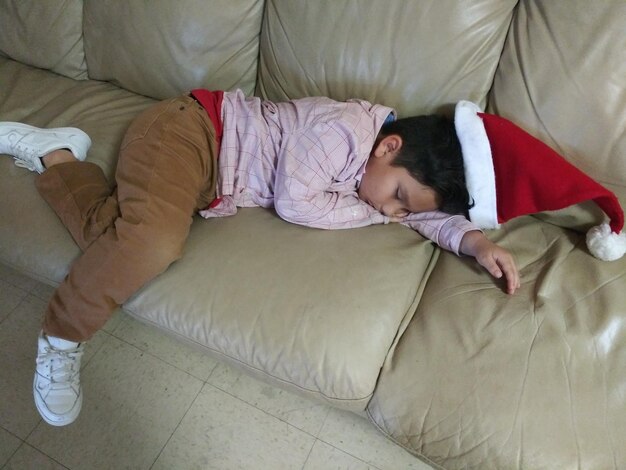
492 257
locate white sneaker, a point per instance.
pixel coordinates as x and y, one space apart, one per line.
57 391
27 144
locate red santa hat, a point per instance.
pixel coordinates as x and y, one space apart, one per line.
510 173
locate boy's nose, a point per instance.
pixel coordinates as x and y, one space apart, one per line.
393 210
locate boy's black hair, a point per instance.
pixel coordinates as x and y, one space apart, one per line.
431 152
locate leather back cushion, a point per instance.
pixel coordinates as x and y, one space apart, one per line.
26 29
415 56
163 48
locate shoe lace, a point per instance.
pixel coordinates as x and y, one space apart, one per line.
62 366
24 155
25 164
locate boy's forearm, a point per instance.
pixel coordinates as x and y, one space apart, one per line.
472 242
446 230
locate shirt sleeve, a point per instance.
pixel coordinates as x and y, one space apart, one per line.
308 188
444 229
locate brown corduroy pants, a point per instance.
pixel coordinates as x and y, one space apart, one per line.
167 169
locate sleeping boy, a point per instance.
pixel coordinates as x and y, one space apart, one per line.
316 161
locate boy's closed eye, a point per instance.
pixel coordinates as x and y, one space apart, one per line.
402 211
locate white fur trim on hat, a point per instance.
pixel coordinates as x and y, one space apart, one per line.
480 177
604 244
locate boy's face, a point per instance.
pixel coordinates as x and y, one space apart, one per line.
391 189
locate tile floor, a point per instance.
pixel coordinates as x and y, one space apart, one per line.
152 402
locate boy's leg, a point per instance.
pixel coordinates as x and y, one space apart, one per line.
166 169
82 198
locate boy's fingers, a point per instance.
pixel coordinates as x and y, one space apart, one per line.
493 268
499 266
512 276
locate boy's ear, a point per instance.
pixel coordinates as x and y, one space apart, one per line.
388 146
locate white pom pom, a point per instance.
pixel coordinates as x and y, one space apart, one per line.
604 244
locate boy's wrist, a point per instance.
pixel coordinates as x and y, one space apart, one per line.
472 242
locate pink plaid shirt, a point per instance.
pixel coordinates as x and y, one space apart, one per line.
306 159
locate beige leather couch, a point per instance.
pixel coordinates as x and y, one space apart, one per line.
373 320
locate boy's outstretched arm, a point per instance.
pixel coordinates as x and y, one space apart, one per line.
495 259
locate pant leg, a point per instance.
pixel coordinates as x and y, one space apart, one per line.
82 198
166 170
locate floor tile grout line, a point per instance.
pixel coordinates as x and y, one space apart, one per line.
259 409
17 285
308 455
151 354
299 429
13 454
30 433
11 432
340 449
13 284
317 439
24 443
177 426
370 464
51 458
21 300
95 352
268 414
207 382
